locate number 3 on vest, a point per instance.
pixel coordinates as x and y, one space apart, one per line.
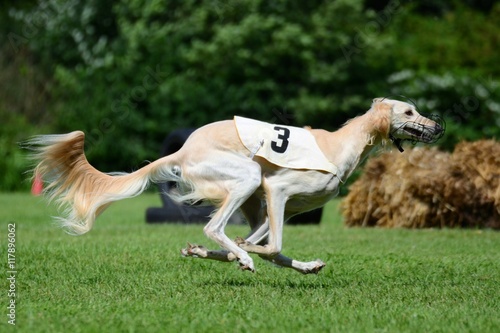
283 135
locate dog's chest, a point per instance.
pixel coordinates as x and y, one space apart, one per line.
302 203
310 190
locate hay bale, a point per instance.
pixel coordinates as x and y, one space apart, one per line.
425 188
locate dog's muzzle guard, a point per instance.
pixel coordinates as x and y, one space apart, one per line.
418 132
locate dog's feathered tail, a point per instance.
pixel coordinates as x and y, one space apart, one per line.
80 189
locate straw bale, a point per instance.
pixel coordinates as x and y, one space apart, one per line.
425 187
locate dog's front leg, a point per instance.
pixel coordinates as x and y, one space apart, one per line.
273 226
280 259
302 267
273 229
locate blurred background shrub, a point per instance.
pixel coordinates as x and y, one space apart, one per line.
129 72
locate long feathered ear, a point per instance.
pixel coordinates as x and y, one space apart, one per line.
382 116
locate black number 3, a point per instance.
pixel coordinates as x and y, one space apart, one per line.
283 135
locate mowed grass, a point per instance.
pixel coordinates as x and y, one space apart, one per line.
128 276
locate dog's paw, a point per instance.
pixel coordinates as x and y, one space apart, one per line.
315 267
194 250
239 240
246 264
243 243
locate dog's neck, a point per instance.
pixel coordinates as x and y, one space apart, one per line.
352 143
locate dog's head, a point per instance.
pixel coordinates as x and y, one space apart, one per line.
401 121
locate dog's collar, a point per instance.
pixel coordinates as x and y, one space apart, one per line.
397 142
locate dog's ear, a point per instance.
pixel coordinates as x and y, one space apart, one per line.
382 124
382 115
381 104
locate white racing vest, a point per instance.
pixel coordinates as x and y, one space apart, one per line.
286 146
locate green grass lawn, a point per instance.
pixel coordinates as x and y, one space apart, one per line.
128 276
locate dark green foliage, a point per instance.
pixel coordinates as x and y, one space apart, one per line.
453 72
13 163
129 72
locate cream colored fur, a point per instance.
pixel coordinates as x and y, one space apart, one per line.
215 166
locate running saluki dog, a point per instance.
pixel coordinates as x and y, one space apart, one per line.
217 165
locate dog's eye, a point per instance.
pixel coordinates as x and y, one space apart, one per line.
409 113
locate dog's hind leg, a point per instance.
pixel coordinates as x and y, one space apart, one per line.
200 251
229 179
255 215
215 231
